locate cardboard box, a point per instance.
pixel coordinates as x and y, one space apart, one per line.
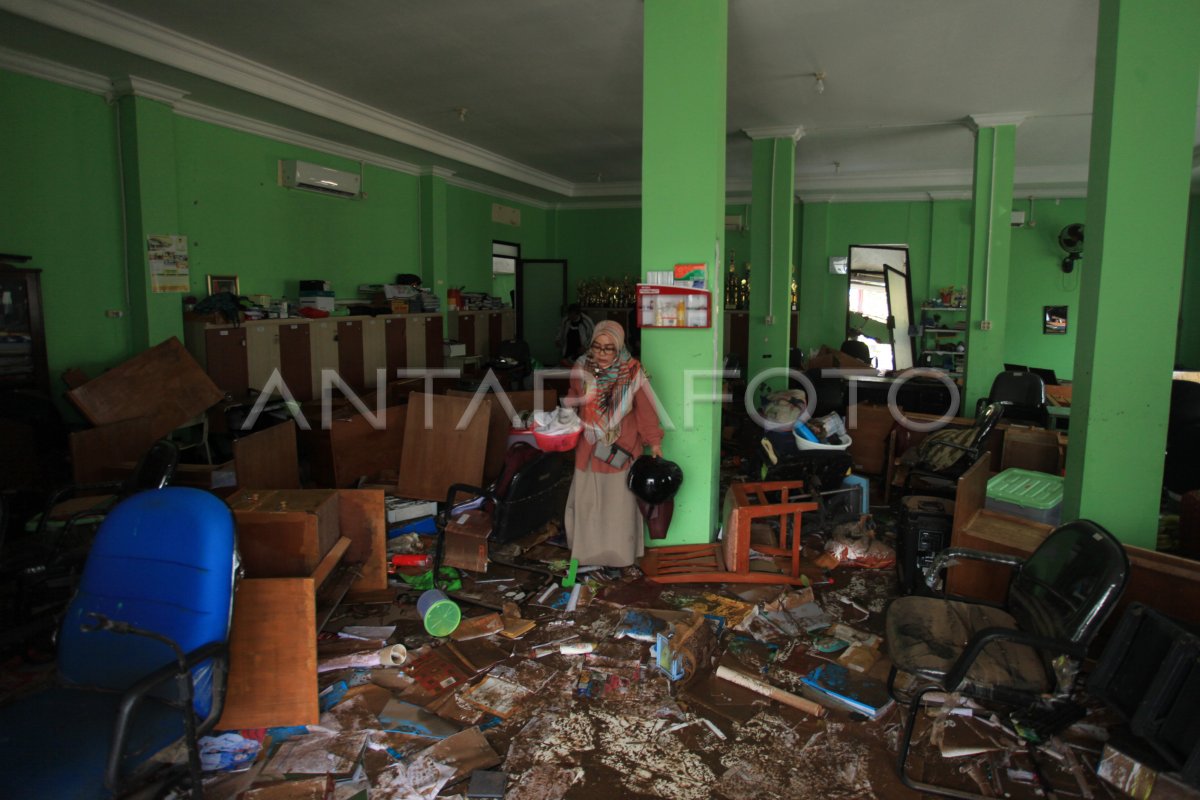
467 539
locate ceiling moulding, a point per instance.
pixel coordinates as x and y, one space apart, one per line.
906 181
598 205
504 194
226 119
134 35
151 90
437 172
977 121
793 132
615 189
35 67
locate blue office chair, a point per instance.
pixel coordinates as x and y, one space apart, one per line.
142 655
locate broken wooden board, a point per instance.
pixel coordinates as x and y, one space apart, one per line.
436 456
163 383
500 423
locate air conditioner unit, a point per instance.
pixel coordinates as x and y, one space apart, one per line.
315 178
1018 219
733 222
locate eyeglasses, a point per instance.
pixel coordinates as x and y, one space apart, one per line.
605 349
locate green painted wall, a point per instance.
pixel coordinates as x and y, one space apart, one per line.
683 204
240 221
472 231
829 229
61 205
599 243
1036 280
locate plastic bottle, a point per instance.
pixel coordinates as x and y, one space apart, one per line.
681 314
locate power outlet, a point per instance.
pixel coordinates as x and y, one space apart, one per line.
985 325
114 313
770 320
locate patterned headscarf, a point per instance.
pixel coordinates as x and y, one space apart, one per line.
610 390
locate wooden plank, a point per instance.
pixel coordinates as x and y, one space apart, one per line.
1031 448
272 655
500 423
331 560
163 383
267 459
869 437
350 353
363 520
358 449
225 359
436 456
95 452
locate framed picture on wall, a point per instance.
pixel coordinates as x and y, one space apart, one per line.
1054 319
223 283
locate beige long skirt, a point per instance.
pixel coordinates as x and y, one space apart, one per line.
604 526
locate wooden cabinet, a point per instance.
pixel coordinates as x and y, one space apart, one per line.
22 331
228 365
295 359
482 331
241 358
292 544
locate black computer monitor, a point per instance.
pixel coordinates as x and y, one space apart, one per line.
1048 375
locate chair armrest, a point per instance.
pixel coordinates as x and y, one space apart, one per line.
981 639
217 651
947 558
464 488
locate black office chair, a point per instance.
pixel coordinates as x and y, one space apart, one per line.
936 464
530 492
154 470
1057 600
856 348
513 363
1023 395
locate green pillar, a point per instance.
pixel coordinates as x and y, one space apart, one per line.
991 243
435 259
772 199
149 162
683 221
814 283
1143 129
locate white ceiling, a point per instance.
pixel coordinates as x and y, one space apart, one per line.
553 88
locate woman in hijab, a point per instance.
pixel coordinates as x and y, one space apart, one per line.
604 526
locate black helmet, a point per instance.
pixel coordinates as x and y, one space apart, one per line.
654 480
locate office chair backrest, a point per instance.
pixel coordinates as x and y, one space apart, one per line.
1070 584
1019 389
154 469
857 349
517 350
161 561
530 500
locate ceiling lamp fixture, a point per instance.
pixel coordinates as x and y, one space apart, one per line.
462 113
820 76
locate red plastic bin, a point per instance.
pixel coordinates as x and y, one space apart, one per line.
556 443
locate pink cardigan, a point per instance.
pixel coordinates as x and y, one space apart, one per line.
639 429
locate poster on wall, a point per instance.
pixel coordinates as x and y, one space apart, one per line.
168 263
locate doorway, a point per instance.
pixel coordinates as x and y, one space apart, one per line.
541 303
879 311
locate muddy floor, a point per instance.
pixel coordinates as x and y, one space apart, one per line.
578 707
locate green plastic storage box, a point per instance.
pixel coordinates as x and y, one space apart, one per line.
1025 493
